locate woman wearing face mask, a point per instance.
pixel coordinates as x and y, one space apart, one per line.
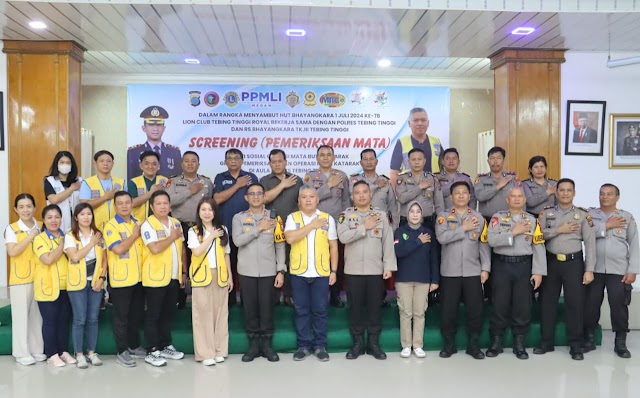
62 186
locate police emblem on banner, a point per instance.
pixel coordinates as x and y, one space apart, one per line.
211 99
380 97
292 99
357 97
309 99
231 99
194 98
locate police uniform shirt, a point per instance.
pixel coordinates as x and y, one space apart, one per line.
503 242
617 250
491 199
557 243
184 205
170 159
463 253
290 225
537 197
287 202
259 253
150 235
236 203
447 179
366 252
408 190
383 197
332 200
193 242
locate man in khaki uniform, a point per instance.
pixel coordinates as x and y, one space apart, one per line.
492 188
369 258
449 174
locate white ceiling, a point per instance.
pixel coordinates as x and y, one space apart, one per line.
128 38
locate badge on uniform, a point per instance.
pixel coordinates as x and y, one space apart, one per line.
161 234
341 218
405 236
307 178
474 235
117 187
109 232
95 193
440 220
377 231
576 216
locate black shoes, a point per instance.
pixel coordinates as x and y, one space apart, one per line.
301 354
267 348
519 348
472 348
357 348
576 352
322 354
449 347
543 348
254 348
373 348
620 345
589 342
496 347
288 301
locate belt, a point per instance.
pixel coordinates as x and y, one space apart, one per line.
513 259
566 257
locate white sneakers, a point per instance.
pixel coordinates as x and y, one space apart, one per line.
418 352
154 358
406 352
219 359
26 361
170 352
39 357
56 361
209 362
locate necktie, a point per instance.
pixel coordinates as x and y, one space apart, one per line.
156 148
581 135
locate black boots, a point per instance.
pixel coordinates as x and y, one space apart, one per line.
543 348
267 349
518 347
620 345
373 348
472 348
254 350
589 342
496 347
449 347
357 348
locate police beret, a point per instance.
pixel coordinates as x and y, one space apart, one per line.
154 114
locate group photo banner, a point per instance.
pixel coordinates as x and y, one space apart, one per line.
210 119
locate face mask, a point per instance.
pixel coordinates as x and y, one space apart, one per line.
64 168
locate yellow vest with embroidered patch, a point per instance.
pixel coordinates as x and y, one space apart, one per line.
299 252
141 212
48 280
107 210
22 267
200 269
77 272
157 268
124 269
407 146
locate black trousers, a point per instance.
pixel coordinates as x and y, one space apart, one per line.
619 296
511 295
182 294
233 257
364 294
285 290
336 288
452 291
567 275
161 305
127 315
257 303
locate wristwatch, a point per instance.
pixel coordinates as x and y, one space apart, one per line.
281 272
104 278
334 271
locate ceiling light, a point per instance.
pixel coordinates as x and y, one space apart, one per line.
37 25
383 63
295 32
613 63
523 31
192 61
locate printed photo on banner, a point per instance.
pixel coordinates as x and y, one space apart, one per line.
585 128
624 146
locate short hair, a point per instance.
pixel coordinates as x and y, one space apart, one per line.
158 193
103 152
368 150
609 185
306 187
459 184
361 182
24 196
414 150
277 151
450 150
121 193
416 110
568 180
536 159
49 208
256 184
325 146
497 149
233 151
149 153
192 153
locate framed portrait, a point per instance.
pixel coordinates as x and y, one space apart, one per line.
585 128
624 145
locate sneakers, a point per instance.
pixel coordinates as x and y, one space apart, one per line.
94 359
139 352
209 362
154 358
125 359
26 361
406 352
170 352
81 362
217 359
56 361
68 358
321 354
301 354
419 352
39 357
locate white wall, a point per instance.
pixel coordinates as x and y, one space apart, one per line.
5 207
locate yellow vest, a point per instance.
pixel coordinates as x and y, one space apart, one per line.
200 269
156 268
77 273
22 266
407 146
299 254
140 213
48 280
125 269
107 210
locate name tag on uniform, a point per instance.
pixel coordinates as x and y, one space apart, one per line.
95 193
161 234
123 235
227 182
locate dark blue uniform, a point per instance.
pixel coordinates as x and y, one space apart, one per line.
170 159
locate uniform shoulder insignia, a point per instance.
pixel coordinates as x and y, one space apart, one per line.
175 176
465 174
354 175
404 173
384 176
583 209
135 146
171 146
551 179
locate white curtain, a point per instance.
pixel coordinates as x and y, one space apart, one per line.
86 150
486 141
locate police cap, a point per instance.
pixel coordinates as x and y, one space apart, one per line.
154 114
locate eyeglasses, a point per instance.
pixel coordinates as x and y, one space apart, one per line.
258 194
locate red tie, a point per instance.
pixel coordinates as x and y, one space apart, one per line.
581 134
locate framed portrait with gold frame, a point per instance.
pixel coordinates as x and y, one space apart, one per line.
624 141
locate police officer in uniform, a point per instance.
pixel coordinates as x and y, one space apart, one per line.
539 190
449 175
492 188
333 191
565 228
421 186
369 259
464 267
154 118
617 264
518 263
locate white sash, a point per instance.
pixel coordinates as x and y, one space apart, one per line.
68 204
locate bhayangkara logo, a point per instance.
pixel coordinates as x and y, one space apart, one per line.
194 98
332 100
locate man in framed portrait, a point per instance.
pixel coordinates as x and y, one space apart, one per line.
584 133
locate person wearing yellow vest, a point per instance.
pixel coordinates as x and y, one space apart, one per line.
87 273
50 287
258 233
98 190
211 281
162 275
124 255
26 322
430 145
313 265
143 186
